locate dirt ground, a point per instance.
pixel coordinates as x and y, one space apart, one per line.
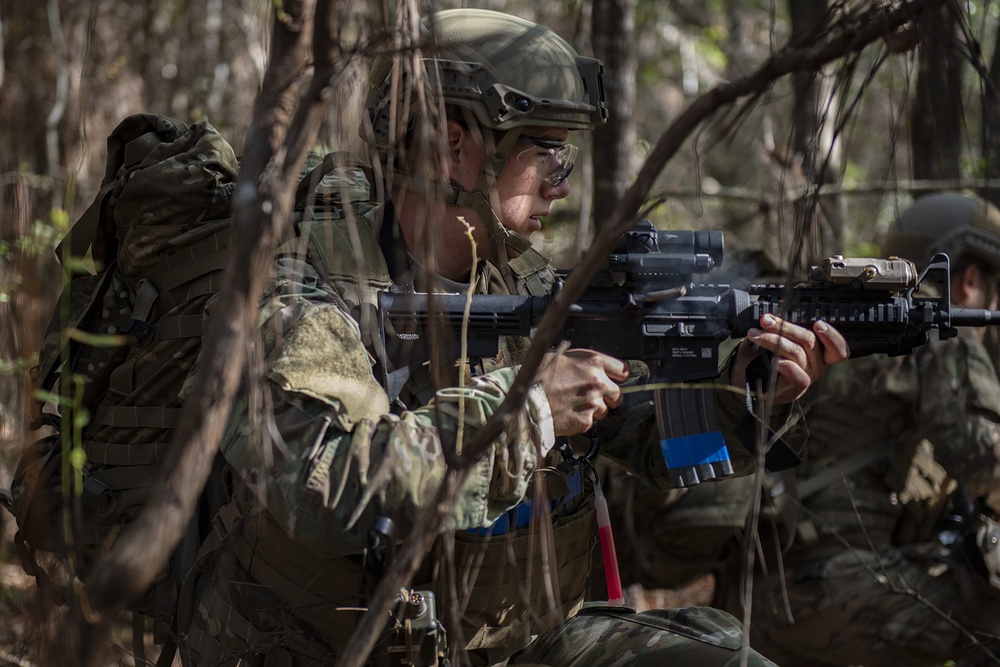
26 622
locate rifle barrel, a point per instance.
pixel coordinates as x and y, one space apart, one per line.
974 317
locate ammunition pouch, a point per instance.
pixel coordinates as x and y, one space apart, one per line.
924 497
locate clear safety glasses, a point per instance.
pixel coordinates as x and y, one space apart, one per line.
553 159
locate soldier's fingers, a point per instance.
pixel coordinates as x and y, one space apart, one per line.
796 379
782 347
814 347
793 332
835 347
616 369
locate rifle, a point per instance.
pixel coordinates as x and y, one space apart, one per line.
644 304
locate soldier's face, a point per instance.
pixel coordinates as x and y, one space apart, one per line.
530 180
974 287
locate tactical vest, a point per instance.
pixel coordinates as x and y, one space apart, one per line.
514 579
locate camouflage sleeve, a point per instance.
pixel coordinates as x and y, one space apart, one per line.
959 411
318 445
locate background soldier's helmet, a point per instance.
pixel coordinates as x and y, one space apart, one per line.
508 72
960 225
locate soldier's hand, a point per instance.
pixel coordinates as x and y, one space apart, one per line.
799 355
582 386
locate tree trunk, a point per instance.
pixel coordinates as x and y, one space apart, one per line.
936 114
614 144
819 222
991 132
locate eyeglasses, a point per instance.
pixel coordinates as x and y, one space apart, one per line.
552 158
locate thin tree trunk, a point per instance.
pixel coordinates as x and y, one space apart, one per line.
820 220
936 114
991 129
613 159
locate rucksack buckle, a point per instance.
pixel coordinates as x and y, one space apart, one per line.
98 496
141 332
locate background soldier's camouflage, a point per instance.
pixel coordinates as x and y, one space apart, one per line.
880 523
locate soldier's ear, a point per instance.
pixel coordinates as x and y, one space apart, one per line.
455 132
466 154
970 282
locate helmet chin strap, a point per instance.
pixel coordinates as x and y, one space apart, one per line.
478 200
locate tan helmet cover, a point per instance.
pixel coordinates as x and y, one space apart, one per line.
507 71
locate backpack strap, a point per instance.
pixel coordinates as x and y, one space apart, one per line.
533 271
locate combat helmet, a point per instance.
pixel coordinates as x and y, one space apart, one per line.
506 73
963 226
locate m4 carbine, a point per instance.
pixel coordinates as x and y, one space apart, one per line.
644 304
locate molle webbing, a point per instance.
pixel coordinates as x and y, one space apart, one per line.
134 416
124 454
504 598
533 272
126 440
324 594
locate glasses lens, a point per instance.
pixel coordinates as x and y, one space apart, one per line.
554 163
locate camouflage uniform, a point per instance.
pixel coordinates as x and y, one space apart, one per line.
319 455
287 558
896 595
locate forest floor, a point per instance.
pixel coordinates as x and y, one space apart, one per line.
26 620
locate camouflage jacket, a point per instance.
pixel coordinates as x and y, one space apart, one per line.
944 395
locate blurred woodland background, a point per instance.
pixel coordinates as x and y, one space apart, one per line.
818 164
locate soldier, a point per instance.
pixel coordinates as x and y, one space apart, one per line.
329 472
877 571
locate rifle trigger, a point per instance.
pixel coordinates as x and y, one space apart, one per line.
759 370
564 448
